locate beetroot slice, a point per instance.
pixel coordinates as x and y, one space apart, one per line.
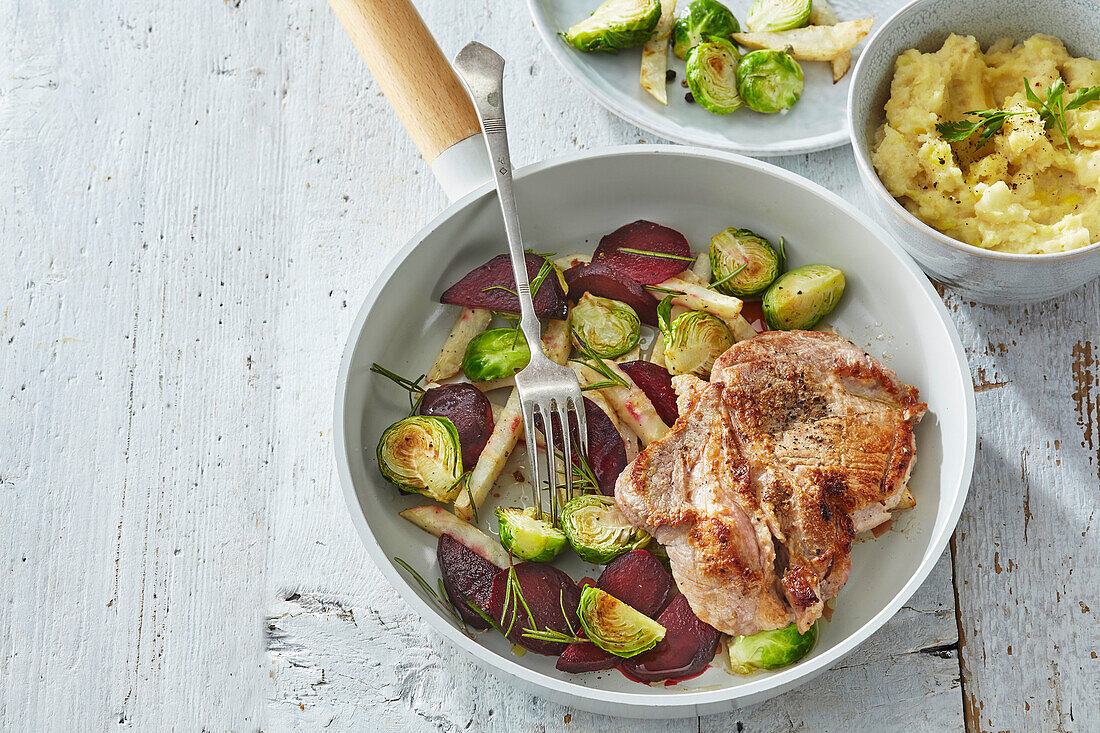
467 576
688 647
639 580
470 411
487 287
650 237
753 312
656 382
606 452
599 279
584 656
547 590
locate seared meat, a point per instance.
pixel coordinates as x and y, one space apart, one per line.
800 441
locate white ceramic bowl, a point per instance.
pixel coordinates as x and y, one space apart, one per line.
889 308
990 277
815 123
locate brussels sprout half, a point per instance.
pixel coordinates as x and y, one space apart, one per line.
742 262
526 536
701 20
495 354
778 15
422 454
614 626
770 649
693 341
597 530
802 297
609 327
769 81
712 75
615 24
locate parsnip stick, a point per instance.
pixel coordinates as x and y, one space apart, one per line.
821 13
632 355
690 276
701 298
438 521
630 441
630 402
812 43
471 322
602 403
564 263
557 342
657 356
501 443
741 328
655 54
701 268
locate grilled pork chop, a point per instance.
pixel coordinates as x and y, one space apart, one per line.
799 441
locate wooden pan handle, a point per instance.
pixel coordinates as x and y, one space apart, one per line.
408 64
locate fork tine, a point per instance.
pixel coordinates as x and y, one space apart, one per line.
567 447
532 453
547 408
577 405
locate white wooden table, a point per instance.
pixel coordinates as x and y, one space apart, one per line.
195 195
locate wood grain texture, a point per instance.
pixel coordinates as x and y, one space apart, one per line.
196 196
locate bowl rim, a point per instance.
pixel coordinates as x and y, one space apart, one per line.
814 144
637 704
871 178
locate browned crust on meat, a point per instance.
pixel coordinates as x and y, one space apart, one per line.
798 582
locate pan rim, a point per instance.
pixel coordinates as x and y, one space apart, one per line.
642 703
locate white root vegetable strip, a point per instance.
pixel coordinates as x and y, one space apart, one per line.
812 43
438 521
701 298
821 13
741 328
602 403
655 54
690 276
491 462
657 356
564 263
630 441
630 402
471 322
632 355
701 268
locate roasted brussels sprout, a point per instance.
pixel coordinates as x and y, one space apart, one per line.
712 75
700 21
597 530
495 354
615 24
693 341
769 81
770 649
422 454
742 262
614 626
778 15
526 536
609 327
802 297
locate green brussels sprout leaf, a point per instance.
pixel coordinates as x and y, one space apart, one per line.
769 81
422 454
712 75
609 328
699 21
770 649
614 626
495 354
694 341
526 536
802 297
616 24
742 262
778 15
597 530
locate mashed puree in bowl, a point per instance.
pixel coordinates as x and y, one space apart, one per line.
1023 191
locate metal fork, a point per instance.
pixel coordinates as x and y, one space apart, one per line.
548 392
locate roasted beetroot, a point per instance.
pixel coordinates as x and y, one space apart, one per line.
639 580
688 647
584 656
753 312
606 452
492 286
656 382
622 249
599 279
547 591
470 411
467 576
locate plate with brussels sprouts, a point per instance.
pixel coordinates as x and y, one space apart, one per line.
760 77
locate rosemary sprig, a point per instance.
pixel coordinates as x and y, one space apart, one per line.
412 386
666 291
650 253
441 598
552 636
596 364
723 280
583 477
488 619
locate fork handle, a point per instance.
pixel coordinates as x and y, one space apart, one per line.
482 70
